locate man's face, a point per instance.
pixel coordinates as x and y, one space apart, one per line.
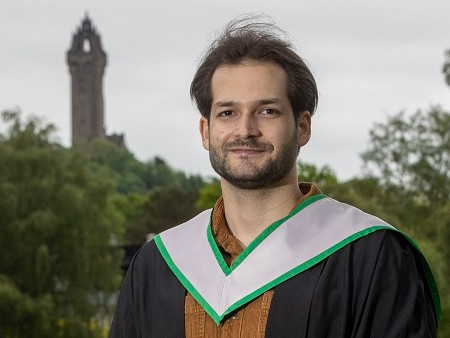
252 136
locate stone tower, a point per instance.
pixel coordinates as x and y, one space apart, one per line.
87 62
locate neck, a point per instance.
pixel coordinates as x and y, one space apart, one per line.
249 212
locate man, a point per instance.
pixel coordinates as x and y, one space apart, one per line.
274 258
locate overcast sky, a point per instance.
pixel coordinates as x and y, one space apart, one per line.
370 60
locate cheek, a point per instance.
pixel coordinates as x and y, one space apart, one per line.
283 133
218 136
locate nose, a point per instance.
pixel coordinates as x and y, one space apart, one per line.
247 127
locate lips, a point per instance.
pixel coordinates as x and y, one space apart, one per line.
250 144
246 150
250 147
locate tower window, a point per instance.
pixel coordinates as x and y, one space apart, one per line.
86 46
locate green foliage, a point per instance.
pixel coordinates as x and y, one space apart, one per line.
164 208
440 218
159 174
444 327
130 207
324 177
413 153
132 175
151 196
120 164
23 314
57 217
209 195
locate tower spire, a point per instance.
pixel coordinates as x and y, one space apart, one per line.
87 60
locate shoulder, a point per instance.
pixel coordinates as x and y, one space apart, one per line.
375 237
384 241
149 271
391 255
147 259
386 252
382 276
382 249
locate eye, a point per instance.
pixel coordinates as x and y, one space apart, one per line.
226 113
269 111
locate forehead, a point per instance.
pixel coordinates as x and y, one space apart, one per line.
249 81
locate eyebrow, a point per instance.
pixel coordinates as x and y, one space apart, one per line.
258 102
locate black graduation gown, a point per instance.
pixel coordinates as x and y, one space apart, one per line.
373 287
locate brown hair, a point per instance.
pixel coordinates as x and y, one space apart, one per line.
244 39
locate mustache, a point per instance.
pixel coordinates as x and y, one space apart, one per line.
250 143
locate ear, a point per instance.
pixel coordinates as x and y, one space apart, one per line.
304 128
204 132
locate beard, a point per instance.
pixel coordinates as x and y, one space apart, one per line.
249 175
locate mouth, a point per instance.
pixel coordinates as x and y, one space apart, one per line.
246 151
248 148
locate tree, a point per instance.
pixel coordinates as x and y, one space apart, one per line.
410 159
119 163
164 208
413 153
209 195
57 267
324 177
